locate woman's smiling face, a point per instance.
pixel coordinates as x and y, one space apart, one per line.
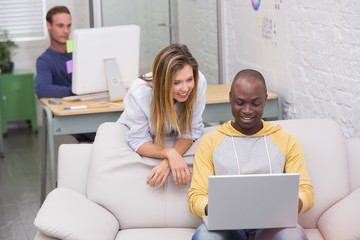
183 83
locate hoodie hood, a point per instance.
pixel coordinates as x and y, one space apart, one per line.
229 130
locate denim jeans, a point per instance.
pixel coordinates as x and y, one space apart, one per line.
296 233
202 233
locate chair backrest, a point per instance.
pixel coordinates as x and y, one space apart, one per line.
325 155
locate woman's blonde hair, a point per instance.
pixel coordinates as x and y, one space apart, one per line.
166 64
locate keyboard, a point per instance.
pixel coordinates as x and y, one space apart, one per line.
88 97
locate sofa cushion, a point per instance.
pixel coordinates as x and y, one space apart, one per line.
313 234
156 234
341 221
325 155
67 214
117 181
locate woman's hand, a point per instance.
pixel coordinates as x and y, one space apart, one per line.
159 174
174 162
180 170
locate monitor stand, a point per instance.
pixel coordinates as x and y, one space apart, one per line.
115 83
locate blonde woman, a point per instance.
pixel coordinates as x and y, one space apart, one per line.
169 101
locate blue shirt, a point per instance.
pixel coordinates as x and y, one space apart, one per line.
52 78
137 113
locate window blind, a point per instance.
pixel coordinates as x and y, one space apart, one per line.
23 19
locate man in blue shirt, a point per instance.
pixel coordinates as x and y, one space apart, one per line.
53 78
54 67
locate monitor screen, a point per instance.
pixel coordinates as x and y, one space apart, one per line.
105 58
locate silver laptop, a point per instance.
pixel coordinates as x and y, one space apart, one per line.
252 201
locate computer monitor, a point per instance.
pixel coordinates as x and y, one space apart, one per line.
105 59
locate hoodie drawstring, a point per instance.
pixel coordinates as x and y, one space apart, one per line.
236 156
267 153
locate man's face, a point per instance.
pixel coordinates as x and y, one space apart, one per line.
247 99
60 28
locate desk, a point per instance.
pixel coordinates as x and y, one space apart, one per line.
57 121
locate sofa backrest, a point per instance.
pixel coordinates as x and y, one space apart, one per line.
117 181
353 151
117 176
325 155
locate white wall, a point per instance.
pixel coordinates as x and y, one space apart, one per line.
308 51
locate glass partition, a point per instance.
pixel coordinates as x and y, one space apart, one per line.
192 22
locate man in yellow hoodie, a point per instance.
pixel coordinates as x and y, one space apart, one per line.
247 145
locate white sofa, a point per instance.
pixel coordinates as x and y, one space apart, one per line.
102 192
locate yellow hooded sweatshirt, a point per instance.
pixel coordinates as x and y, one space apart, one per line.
227 151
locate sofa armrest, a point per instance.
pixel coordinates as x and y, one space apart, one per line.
353 150
67 214
73 166
341 221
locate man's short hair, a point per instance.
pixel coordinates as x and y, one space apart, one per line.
250 74
56 10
